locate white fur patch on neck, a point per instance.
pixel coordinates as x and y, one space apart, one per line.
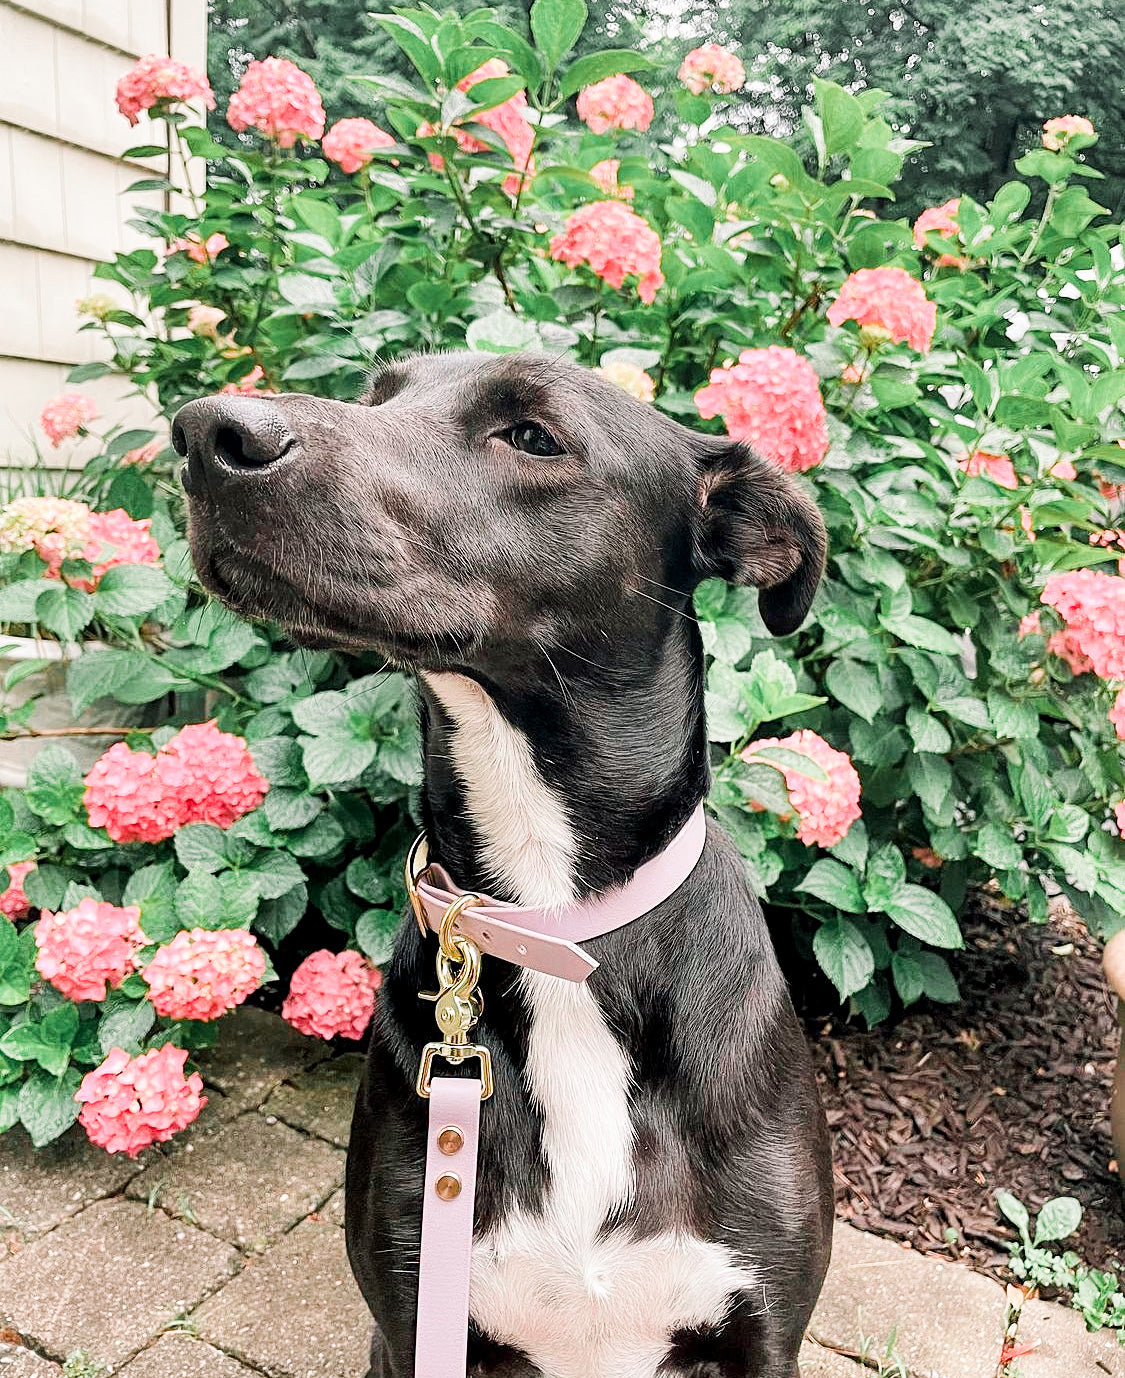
527 842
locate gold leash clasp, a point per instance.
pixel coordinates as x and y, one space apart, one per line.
457 1002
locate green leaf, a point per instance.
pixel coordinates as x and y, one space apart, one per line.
501 332
375 932
844 955
925 916
907 977
856 687
9 1107
47 1041
726 638
152 889
840 113
18 600
54 785
937 979
836 884
927 732
199 900
920 631
279 760
124 1024
17 963
200 845
996 845
129 590
46 885
368 879
787 759
334 761
1016 1211
885 878
290 808
555 26
276 919
597 66
47 1105
274 874
99 674
65 611
321 217
1057 1218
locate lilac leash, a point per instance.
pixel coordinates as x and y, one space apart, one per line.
468 925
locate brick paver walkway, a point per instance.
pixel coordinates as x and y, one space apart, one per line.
222 1256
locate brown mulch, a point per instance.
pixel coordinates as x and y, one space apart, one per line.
934 1114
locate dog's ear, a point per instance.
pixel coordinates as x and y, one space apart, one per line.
758 526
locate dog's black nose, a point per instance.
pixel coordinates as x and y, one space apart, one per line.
229 437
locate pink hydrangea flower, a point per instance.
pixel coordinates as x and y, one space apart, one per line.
615 243
943 221
712 67
200 250
141 458
204 320
1116 717
1057 133
1064 469
117 539
158 80
278 100
853 375
635 381
1030 624
996 467
248 384
927 857
605 175
825 809
203 973
1119 817
888 299
64 416
350 143
13 901
332 994
771 398
201 775
505 120
615 103
1092 605
55 528
129 1103
87 948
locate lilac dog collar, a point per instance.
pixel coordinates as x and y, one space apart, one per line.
468 925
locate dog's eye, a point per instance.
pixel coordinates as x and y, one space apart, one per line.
532 439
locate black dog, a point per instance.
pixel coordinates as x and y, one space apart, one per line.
654 1193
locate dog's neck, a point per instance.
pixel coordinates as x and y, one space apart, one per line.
557 781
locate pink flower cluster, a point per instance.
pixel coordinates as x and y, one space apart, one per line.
64 416
332 994
941 220
129 1103
615 103
635 381
605 175
712 67
199 250
203 973
13 901
505 120
201 776
278 100
1116 717
615 243
247 385
1057 133
825 809
117 539
87 948
157 80
350 143
771 398
1092 605
55 528
998 468
889 300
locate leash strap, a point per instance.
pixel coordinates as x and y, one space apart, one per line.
441 1347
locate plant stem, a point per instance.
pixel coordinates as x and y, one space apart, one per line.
17 734
1033 242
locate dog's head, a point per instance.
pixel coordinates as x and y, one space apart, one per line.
475 506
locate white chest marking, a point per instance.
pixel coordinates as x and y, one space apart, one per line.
527 840
580 1305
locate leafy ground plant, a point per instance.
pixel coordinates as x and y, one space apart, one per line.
1094 1292
951 391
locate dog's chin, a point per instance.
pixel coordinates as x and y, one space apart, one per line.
265 596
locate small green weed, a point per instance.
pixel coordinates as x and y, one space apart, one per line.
79 1364
889 1363
1093 1292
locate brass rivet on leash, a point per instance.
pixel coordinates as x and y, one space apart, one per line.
451 1140
448 1186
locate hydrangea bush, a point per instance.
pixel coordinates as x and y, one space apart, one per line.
951 390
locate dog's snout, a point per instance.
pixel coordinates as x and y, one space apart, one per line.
229 437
